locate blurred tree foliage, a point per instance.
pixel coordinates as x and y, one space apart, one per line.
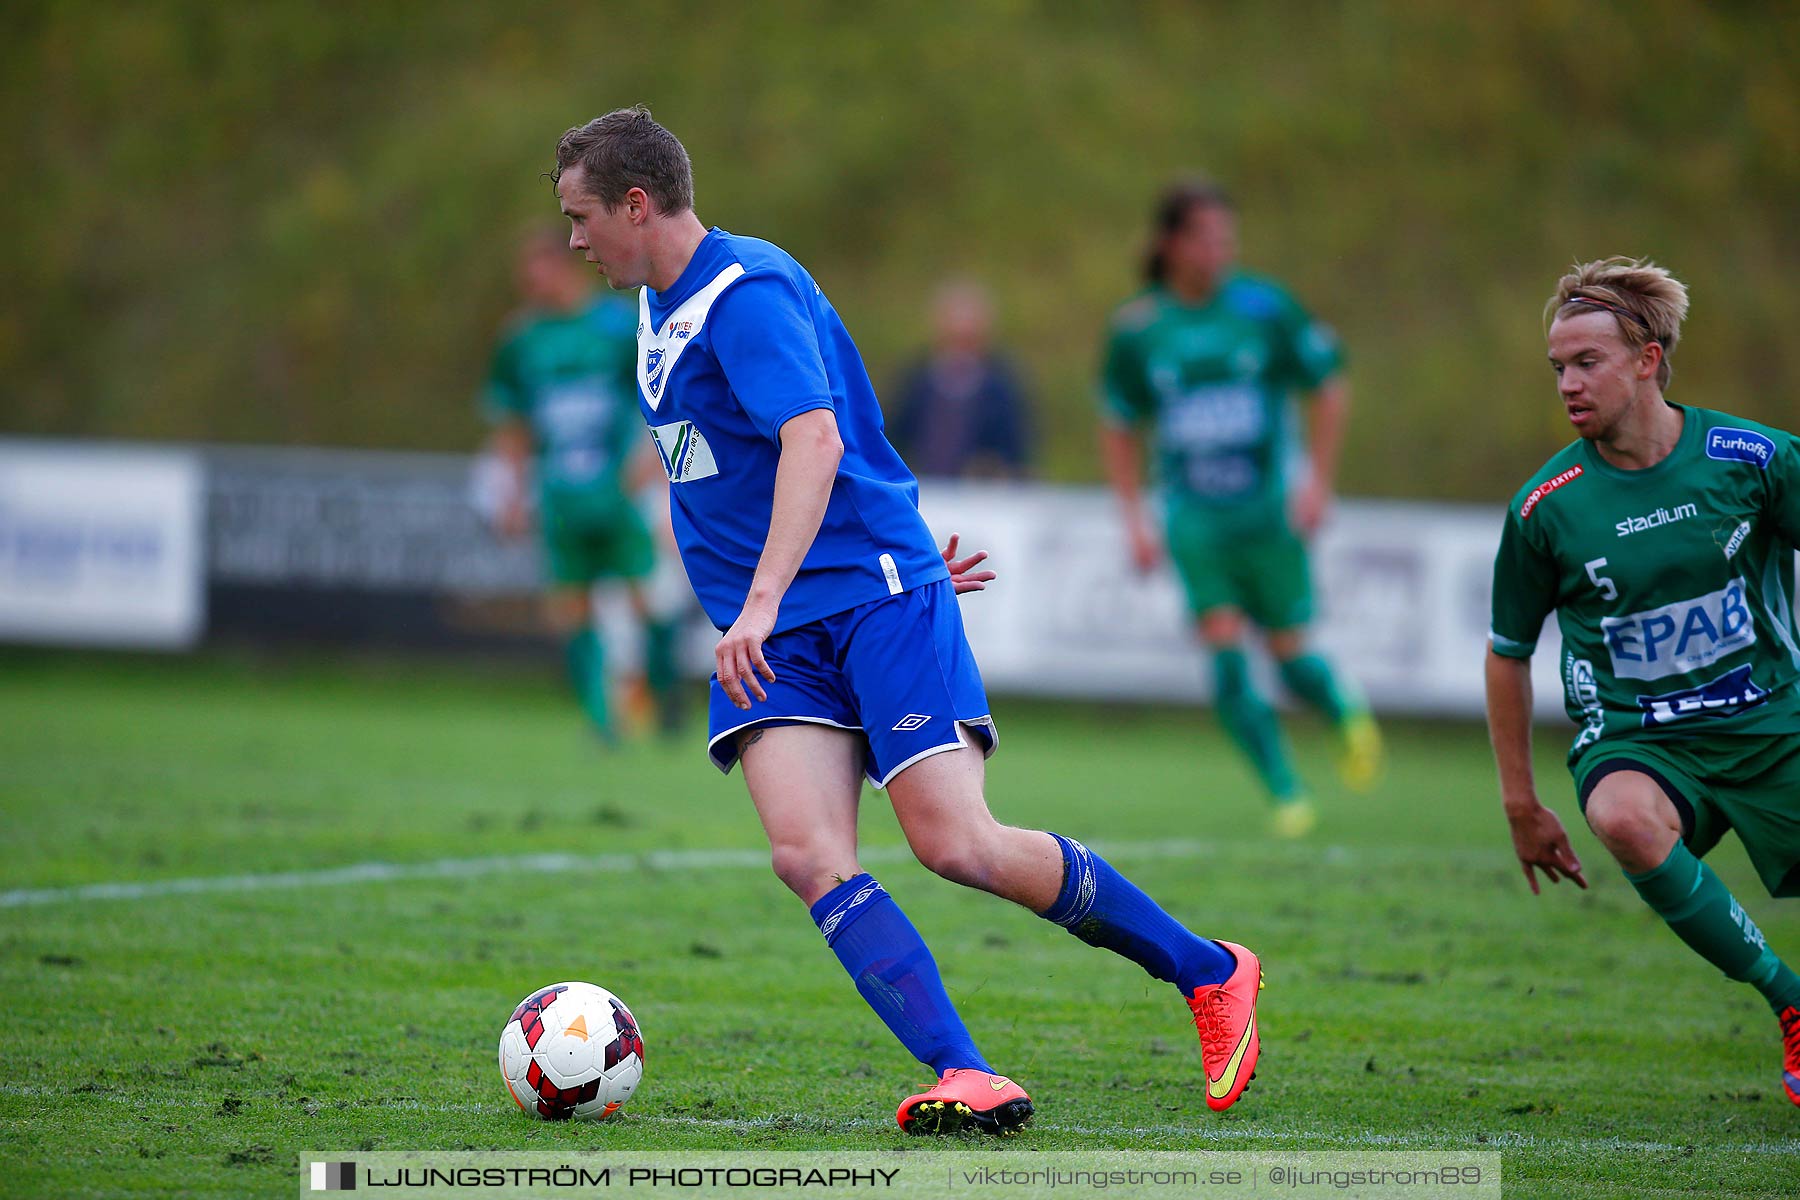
293 222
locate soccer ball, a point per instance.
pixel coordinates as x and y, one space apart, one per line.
571 1050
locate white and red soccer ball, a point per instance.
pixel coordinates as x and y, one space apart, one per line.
571 1050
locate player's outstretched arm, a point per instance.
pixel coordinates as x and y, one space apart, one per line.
1327 417
1538 835
511 443
963 575
810 452
1121 449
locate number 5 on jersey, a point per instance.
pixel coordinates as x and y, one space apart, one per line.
1607 590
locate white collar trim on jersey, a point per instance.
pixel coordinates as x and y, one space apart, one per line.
658 349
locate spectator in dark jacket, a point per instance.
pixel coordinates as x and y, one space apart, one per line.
961 410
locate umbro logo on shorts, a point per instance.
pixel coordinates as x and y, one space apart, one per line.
910 721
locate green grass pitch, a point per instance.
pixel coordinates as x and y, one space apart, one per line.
195 1042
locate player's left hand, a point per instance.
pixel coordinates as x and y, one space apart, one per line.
738 657
963 575
1311 505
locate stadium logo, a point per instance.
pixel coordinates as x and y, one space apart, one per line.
1660 517
1545 488
653 371
1687 635
685 454
1728 695
1740 445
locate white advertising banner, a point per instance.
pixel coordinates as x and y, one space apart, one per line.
115 546
100 545
1401 590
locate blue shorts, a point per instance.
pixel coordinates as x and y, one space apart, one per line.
897 670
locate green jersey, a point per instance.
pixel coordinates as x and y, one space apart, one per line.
572 378
1673 585
1215 382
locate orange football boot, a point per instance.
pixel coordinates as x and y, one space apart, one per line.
965 1097
1225 1016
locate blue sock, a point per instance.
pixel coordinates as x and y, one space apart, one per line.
1103 908
895 973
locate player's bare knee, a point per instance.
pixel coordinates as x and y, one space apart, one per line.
957 859
1286 644
1636 824
802 868
1221 627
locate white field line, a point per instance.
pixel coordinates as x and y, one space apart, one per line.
687 860
1305 1139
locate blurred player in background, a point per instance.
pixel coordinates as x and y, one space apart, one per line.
843 655
561 393
1663 538
1207 362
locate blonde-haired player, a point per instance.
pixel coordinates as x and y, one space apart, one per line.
1663 538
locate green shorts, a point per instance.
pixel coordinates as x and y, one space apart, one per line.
588 539
1259 569
1746 782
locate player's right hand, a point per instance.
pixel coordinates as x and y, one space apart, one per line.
1542 844
738 658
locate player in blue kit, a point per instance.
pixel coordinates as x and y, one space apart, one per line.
843 653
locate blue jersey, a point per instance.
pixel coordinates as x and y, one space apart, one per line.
742 343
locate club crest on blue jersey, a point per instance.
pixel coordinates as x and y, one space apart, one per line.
1740 445
653 370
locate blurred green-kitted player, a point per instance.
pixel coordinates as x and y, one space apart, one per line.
562 394
1208 360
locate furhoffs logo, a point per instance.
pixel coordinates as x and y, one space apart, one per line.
1740 445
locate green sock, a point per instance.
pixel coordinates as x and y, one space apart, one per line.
585 656
1252 724
1311 678
1685 893
662 672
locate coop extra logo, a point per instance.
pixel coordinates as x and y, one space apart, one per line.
1545 488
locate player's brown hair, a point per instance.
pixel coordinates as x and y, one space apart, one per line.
624 149
1172 208
1647 303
